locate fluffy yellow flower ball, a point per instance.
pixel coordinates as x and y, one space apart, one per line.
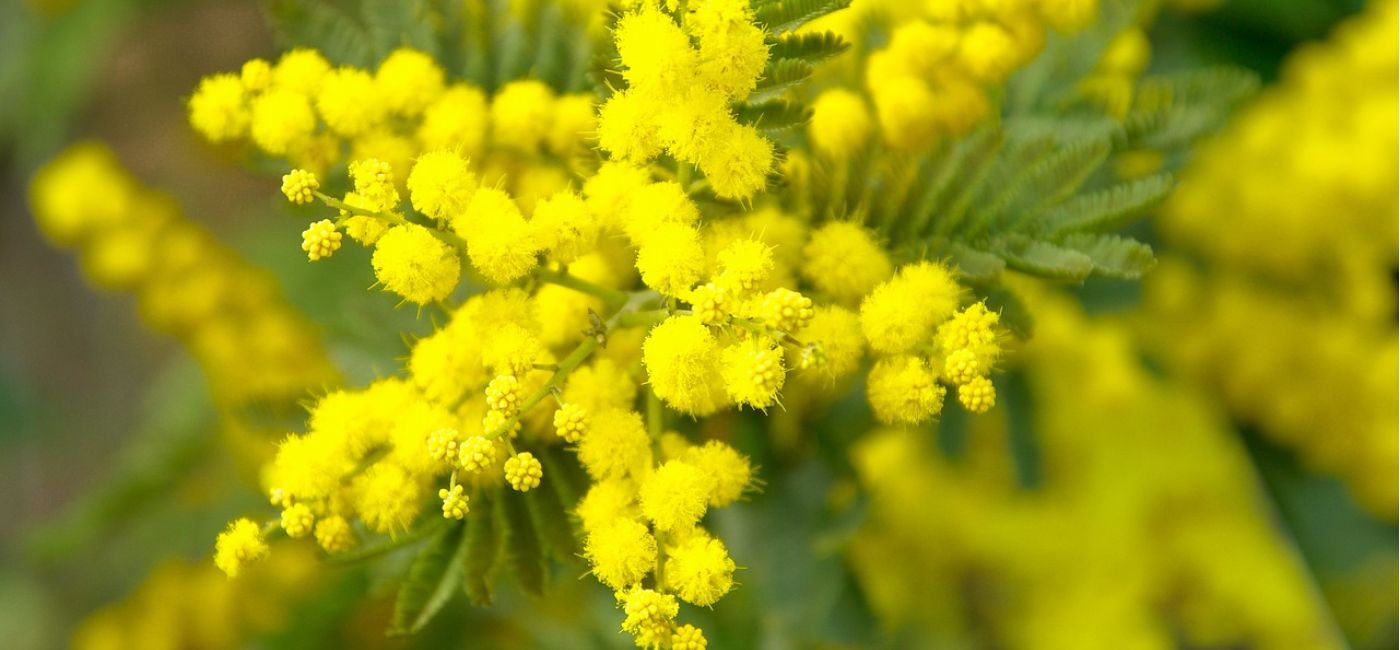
408 80
440 184
901 313
615 446
674 497
840 123
700 570
412 263
902 390
239 546
218 108
683 366
729 471
844 261
621 553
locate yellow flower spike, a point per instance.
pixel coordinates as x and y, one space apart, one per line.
902 390
700 570
256 75
218 109
504 394
455 504
240 545
442 445
334 535
476 454
320 240
688 637
440 184
708 303
753 372
786 310
675 496
570 422
412 263
523 472
649 616
621 552
299 186
298 520
978 395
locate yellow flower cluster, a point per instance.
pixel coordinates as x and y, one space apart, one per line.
1102 552
939 75
253 347
1295 323
681 79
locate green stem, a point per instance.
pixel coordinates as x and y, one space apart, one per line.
612 297
655 417
373 551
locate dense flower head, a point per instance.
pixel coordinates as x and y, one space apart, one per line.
753 372
675 496
441 185
298 520
902 312
455 504
683 362
409 261
523 472
649 616
621 552
408 80
615 446
334 534
320 240
844 261
902 389
700 570
218 109
239 546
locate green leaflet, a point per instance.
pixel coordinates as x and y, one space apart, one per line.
812 47
431 581
309 23
1113 256
522 544
1045 259
483 546
1109 208
774 115
551 522
780 16
778 77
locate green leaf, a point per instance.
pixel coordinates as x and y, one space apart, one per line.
396 23
780 16
778 77
483 546
432 579
551 522
1113 256
522 545
1045 259
774 115
813 47
975 265
337 35
1110 208
1059 176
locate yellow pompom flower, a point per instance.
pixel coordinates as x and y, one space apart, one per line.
256 75
655 204
564 226
500 243
840 124
682 360
349 102
520 114
297 520
671 260
973 327
320 240
700 570
786 310
988 52
334 535
523 471
674 497
978 395
615 446
408 80
476 454
300 71
601 385
904 105
607 501
239 546
442 445
572 123
708 303
1068 15
309 466
363 229
570 422
621 552
688 637
836 332
902 312
902 390
503 394
844 261
627 127
753 372
737 163
387 497
374 184
412 263
745 264
441 185
729 471
455 504
456 121
656 55
609 192
732 53
649 616
446 364
299 186
511 349
282 120
218 108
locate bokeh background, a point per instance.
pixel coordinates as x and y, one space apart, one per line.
110 455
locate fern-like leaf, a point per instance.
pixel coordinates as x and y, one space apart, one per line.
774 115
1108 209
781 16
778 77
1044 258
522 544
812 47
483 547
1113 256
431 581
